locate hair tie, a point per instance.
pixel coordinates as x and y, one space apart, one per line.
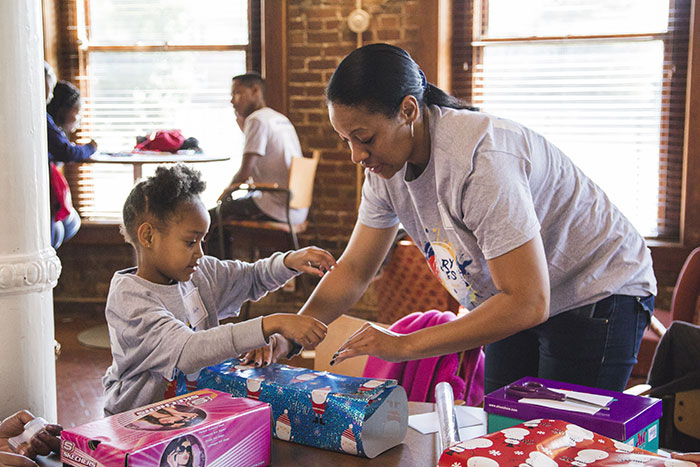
423 81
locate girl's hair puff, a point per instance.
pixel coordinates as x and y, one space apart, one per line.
159 197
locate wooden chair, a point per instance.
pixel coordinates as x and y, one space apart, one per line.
685 306
298 196
675 379
406 284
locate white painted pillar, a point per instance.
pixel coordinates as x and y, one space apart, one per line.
29 267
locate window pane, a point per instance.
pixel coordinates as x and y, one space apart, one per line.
518 18
599 102
136 93
174 21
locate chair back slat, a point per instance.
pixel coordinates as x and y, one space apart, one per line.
301 180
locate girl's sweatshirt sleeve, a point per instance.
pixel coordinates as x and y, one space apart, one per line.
235 282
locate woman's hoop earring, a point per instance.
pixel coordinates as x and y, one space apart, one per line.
411 129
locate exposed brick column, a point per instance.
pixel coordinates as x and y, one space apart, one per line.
318 39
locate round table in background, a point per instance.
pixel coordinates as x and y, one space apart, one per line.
137 159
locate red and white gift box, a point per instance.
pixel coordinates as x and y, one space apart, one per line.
550 443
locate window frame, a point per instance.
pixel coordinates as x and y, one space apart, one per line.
80 175
668 255
673 108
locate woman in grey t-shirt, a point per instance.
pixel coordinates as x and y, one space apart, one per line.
559 284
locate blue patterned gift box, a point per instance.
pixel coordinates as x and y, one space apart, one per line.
358 416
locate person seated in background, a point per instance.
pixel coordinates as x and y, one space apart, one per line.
41 444
63 115
270 144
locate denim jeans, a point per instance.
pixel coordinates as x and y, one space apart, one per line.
594 345
64 230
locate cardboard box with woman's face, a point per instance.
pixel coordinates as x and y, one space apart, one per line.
182 431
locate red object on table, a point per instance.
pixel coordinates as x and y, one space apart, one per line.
162 140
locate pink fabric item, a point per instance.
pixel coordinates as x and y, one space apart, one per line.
419 377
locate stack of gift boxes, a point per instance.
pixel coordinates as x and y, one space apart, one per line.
237 409
226 421
607 429
626 418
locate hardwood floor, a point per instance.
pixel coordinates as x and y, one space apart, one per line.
79 369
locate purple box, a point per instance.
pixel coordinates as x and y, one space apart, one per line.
630 419
206 427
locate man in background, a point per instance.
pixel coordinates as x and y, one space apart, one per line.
270 143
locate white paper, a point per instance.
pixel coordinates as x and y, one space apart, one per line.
569 405
426 423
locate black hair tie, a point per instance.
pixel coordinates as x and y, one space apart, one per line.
423 80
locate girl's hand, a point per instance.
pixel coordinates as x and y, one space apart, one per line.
311 260
373 340
305 330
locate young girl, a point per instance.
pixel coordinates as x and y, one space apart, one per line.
63 115
163 315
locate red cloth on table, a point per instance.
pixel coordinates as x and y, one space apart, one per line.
162 140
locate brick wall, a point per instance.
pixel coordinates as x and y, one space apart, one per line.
317 40
462 12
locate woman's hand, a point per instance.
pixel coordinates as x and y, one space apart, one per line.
311 260
278 347
374 340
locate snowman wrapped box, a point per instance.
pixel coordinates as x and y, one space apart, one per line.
358 416
205 427
550 443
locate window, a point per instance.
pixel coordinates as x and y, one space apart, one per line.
149 65
602 79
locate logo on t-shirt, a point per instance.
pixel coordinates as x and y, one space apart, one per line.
451 272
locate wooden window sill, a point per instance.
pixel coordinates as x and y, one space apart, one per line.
99 232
